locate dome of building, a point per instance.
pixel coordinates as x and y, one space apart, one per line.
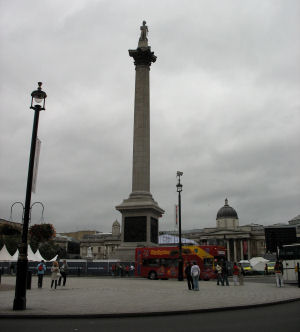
227 212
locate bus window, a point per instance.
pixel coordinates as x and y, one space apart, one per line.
208 262
167 262
154 262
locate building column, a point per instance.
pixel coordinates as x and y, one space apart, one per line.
228 250
242 251
249 249
234 250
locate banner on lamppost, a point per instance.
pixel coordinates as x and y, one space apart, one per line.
36 163
176 215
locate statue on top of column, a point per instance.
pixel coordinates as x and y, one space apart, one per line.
144 31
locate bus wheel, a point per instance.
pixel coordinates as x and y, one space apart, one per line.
152 275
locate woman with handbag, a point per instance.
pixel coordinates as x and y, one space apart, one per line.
54 274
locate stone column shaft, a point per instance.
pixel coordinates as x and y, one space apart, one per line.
228 250
242 249
141 138
249 249
234 250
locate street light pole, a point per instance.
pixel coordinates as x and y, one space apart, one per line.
180 259
38 96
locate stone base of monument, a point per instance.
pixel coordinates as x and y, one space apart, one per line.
140 214
124 254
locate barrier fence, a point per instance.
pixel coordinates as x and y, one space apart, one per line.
77 268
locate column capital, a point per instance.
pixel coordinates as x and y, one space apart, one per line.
142 56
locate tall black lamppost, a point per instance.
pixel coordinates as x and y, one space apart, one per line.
180 259
38 98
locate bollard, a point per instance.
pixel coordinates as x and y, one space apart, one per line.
28 281
298 275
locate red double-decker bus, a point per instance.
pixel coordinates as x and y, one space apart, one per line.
162 262
219 252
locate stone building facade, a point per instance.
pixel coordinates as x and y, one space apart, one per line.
101 245
241 242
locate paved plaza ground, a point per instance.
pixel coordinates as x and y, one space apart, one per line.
123 296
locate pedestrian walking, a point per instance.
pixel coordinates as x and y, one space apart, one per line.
225 273
195 272
41 269
54 274
278 270
64 269
266 270
189 276
235 274
121 270
241 274
132 270
113 270
127 268
219 274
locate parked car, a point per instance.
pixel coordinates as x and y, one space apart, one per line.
247 267
271 267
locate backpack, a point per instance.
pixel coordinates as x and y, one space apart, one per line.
40 268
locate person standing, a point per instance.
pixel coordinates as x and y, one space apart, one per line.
266 270
225 273
219 274
235 274
113 270
63 271
195 272
278 270
54 274
132 270
241 274
189 276
41 268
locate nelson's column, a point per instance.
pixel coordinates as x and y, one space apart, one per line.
140 213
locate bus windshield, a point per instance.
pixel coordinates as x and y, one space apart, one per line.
290 252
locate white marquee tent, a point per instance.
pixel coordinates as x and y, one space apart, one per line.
34 257
173 239
258 263
5 255
15 255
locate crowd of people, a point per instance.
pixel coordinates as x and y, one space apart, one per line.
58 274
192 273
120 270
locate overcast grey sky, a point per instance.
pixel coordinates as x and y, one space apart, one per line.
225 108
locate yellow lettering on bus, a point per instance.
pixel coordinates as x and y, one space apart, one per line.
159 252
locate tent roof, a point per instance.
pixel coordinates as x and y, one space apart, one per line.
256 260
169 239
39 256
15 255
4 254
53 259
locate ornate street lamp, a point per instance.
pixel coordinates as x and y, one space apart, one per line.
38 98
180 259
